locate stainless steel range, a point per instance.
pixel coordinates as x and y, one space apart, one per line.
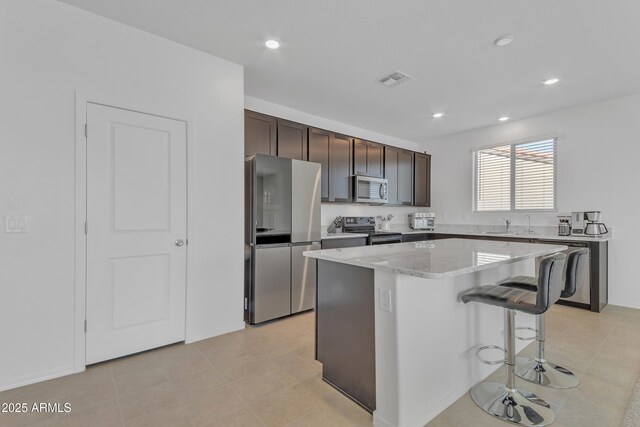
367 225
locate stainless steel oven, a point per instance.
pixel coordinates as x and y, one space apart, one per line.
370 190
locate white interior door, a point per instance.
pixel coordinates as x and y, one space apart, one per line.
136 217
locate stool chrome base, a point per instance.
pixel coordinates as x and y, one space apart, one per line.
545 373
512 405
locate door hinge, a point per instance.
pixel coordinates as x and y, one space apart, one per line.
246 303
186 241
85 326
86 228
86 130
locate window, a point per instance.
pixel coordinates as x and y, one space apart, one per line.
515 177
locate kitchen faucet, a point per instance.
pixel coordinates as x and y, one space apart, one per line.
529 218
508 223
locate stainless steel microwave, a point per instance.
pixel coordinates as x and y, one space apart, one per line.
370 190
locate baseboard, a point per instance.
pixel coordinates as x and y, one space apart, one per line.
39 377
627 304
203 335
380 422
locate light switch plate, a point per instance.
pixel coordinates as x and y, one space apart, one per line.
16 224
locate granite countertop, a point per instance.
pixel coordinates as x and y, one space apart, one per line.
542 233
436 259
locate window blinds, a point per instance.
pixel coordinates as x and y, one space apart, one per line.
515 177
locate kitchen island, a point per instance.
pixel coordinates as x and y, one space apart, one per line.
391 332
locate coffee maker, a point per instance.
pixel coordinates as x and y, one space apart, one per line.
577 223
564 225
592 225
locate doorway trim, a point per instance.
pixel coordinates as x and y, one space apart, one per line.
80 246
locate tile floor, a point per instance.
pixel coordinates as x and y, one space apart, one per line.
266 376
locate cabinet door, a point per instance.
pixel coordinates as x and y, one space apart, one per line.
405 177
319 153
375 160
422 179
259 134
391 174
340 168
359 157
272 283
292 140
367 158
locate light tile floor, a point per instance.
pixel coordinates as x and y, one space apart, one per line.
266 376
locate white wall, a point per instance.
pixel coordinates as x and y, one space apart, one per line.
598 152
331 210
49 50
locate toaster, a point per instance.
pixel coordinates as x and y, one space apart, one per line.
422 221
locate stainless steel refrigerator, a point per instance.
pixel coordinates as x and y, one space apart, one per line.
282 220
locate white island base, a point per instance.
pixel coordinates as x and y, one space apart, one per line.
406 298
426 346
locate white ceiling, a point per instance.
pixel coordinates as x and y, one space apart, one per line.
334 50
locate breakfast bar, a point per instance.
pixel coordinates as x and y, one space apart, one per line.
391 332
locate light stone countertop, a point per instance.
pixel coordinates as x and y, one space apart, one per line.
541 233
436 259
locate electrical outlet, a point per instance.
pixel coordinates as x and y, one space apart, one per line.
16 224
385 299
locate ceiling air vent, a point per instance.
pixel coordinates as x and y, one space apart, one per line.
394 79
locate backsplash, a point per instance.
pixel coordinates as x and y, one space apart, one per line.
400 213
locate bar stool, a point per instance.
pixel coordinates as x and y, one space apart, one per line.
538 370
505 401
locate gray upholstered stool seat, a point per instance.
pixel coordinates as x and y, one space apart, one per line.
538 370
505 401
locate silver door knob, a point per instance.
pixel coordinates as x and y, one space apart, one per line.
179 242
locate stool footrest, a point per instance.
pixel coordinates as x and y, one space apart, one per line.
525 338
491 347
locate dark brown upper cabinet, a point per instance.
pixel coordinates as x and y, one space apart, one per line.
398 170
421 179
259 134
340 168
368 158
319 153
292 140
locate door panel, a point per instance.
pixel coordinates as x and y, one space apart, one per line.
391 173
405 177
359 157
340 168
374 160
292 140
319 153
136 210
421 182
272 283
259 134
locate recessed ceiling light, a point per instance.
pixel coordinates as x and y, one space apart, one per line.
503 40
272 44
550 82
437 115
503 118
